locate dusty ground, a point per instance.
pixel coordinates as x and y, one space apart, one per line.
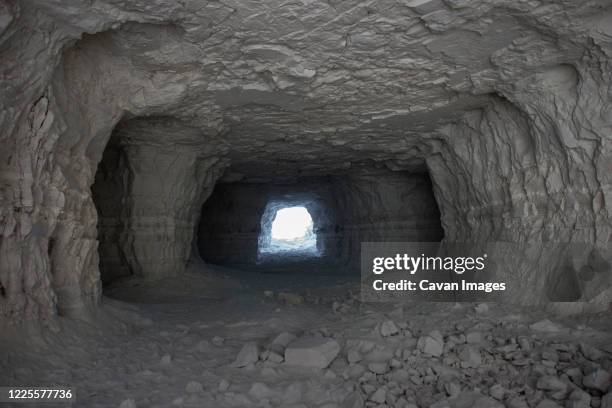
174 343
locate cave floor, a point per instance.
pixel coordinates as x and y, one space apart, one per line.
175 342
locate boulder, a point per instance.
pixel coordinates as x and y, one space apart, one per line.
249 354
316 352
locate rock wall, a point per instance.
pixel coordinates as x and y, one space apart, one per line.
149 191
514 175
385 206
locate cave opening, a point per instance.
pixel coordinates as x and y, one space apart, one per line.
346 209
289 232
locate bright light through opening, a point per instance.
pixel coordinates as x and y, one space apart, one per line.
287 231
291 224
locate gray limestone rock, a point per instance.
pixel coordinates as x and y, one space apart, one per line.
598 379
316 352
432 344
249 354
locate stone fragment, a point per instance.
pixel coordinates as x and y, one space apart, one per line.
497 391
316 352
590 352
545 326
378 368
524 343
275 357
379 396
355 370
353 356
281 341
481 308
249 354
597 380
553 385
575 374
388 328
470 357
432 344
452 388
218 341
579 399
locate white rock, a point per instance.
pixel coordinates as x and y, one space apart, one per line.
545 326
388 328
316 352
217 341
249 354
432 344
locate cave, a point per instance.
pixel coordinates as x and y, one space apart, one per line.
311 204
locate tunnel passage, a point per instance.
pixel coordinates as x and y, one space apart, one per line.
346 209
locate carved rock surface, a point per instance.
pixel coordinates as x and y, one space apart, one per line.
505 103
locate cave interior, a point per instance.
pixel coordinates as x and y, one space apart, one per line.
153 151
